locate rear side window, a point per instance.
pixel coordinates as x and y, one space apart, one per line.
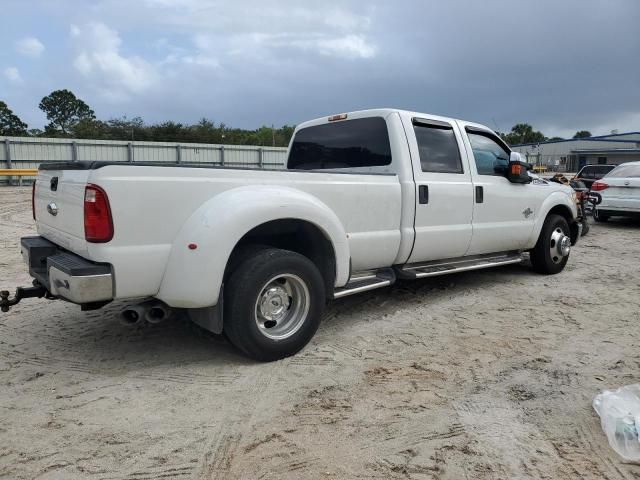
438 148
625 171
363 142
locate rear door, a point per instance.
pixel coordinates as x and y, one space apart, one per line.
444 194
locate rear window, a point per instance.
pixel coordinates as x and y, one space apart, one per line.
625 171
588 172
438 148
595 171
363 142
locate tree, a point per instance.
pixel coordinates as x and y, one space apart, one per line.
523 133
582 134
64 110
10 123
126 129
88 128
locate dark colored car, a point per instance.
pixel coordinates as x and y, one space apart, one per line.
590 173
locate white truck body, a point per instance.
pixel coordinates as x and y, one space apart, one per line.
175 227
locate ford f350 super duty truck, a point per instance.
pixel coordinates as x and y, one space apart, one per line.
367 197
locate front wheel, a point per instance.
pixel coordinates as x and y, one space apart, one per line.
274 300
551 253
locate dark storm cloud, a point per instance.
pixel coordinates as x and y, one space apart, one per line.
560 65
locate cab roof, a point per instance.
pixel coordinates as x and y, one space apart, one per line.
385 112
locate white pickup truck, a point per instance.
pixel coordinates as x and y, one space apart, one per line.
367 197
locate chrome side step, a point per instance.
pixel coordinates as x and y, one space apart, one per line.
365 281
464 264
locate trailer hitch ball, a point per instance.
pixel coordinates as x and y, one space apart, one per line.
37 291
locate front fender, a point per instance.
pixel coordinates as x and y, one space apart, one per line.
193 277
560 197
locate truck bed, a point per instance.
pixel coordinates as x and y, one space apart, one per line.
151 203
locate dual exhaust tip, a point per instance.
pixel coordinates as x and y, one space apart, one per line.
151 311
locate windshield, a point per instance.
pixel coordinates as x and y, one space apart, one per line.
625 171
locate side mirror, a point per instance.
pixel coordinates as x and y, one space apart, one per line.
517 172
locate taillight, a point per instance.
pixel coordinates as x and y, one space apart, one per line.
33 199
599 186
98 224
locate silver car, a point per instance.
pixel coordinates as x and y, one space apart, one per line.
620 192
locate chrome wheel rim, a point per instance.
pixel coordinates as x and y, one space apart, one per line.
559 246
282 306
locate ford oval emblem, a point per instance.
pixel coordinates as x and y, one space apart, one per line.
52 208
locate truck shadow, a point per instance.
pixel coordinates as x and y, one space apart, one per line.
99 342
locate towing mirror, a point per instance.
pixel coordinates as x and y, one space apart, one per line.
517 169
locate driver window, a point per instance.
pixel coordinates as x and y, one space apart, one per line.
491 158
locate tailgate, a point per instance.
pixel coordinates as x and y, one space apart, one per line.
59 207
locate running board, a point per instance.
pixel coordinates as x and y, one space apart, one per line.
464 264
366 281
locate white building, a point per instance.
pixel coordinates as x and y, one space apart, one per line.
571 155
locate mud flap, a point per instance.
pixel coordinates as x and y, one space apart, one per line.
209 318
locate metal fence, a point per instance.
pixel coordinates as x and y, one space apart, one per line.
20 152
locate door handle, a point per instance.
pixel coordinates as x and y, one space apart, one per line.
423 194
479 194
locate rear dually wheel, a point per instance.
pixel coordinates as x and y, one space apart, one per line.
273 304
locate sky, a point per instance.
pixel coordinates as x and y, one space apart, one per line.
560 65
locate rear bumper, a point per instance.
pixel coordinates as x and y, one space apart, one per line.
65 274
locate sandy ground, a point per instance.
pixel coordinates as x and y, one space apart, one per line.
486 375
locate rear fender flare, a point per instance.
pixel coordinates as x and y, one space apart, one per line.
193 276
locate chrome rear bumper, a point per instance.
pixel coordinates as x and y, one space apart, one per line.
66 275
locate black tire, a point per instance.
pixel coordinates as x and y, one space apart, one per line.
285 273
598 217
542 260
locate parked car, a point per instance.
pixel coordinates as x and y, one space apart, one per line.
368 197
590 173
620 192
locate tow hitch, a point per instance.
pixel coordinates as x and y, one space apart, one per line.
37 291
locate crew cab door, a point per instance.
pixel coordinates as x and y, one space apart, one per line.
503 212
444 193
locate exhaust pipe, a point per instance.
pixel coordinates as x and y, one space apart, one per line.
157 312
152 311
133 315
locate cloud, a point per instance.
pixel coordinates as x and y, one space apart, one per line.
339 29
30 47
350 46
497 62
12 74
99 60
